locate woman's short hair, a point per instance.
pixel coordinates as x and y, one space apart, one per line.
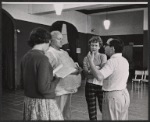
96 39
38 36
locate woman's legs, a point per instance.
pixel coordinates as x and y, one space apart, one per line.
91 100
99 94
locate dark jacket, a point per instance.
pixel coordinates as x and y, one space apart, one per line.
37 75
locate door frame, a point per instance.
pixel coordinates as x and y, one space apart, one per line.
15 47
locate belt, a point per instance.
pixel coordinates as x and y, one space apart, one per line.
113 90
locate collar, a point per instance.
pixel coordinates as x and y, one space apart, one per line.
36 50
53 49
116 55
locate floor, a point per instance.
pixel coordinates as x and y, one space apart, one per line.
12 103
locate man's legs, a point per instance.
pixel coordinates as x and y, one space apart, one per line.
63 102
115 105
67 108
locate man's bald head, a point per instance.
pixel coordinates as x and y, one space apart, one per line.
56 39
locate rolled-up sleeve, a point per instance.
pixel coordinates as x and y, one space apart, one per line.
108 69
85 66
51 58
103 59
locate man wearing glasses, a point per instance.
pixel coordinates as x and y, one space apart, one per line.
115 74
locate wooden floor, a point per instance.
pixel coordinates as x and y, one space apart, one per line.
12 104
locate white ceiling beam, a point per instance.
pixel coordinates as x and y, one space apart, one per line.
49 8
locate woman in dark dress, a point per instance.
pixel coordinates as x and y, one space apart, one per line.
38 81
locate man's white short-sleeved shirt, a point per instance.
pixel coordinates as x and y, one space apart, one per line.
115 72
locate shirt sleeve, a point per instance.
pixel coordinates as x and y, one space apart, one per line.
85 65
103 59
51 58
108 69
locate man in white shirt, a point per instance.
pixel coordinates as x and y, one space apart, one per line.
116 98
71 82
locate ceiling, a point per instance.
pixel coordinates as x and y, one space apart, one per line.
92 9
111 8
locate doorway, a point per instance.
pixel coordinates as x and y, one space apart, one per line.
8 51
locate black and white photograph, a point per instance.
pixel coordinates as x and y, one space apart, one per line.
74 61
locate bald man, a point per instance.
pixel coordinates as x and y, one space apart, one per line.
70 83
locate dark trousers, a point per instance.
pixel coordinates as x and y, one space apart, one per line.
92 92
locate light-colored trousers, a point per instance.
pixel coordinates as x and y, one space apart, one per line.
115 105
64 103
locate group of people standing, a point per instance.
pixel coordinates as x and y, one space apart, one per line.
106 80
47 96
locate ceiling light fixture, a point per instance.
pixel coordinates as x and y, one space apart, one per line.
58 8
106 23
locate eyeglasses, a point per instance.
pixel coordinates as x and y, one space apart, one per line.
59 39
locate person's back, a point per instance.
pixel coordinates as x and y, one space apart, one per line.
120 71
115 72
37 80
33 62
